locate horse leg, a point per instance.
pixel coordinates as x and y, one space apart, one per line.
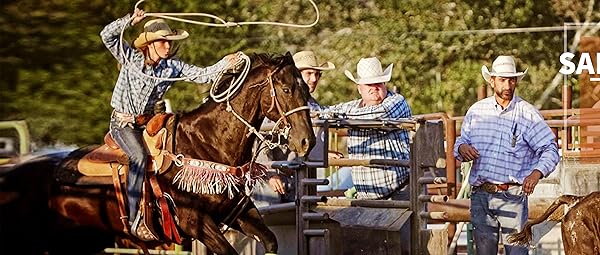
252 225
209 234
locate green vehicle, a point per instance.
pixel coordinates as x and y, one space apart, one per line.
14 140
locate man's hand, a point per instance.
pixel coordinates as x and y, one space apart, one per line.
531 181
138 15
335 154
277 184
468 152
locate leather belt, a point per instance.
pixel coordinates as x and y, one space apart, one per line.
125 119
493 188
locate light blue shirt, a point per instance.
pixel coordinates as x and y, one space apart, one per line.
512 142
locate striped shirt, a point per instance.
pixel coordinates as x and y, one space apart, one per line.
377 182
136 94
512 142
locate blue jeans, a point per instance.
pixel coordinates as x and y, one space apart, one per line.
131 142
498 214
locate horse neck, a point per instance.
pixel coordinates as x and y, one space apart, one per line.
212 133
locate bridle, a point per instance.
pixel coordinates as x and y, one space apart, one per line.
278 135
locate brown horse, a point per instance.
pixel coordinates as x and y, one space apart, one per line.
78 220
580 226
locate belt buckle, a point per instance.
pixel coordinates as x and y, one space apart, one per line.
489 187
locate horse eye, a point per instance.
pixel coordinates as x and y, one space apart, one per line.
286 90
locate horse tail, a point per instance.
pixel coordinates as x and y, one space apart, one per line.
524 237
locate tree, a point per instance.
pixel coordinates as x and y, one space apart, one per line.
58 75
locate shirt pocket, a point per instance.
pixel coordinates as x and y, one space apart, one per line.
517 147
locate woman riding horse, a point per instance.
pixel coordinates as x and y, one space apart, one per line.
137 91
53 214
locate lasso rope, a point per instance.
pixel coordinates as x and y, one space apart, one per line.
236 83
224 23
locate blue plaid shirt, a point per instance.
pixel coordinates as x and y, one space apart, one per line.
377 182
136 94
512 142
314 105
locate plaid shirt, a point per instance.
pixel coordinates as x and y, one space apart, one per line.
136 94
377 182
512 142
314 105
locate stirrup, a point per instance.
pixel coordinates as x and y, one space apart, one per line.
140 230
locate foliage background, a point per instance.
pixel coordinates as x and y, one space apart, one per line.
58 76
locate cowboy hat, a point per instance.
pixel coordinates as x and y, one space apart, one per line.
158 29
369 71
308 60
503 66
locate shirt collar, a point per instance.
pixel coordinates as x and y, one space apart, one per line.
162 64
510 105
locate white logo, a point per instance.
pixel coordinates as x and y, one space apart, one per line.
585 63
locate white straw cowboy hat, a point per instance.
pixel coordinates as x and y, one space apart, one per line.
308 60
369 71
503 66
158 29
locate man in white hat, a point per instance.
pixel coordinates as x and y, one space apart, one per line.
311 70
376 103
141 83
511 147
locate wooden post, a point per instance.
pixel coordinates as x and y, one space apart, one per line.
300 210
415 190
427 148
482 92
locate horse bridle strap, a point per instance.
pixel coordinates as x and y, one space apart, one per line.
283 115
274 104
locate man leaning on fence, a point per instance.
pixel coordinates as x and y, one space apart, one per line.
512 148
376 102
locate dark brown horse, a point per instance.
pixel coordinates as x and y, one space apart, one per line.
83 220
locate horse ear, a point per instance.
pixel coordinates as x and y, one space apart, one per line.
288 57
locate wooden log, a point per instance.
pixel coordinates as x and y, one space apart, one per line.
457 210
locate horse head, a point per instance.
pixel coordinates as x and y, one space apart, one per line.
219 129
284 101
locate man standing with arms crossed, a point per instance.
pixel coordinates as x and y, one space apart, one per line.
512 148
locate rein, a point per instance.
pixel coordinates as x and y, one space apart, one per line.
274 104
